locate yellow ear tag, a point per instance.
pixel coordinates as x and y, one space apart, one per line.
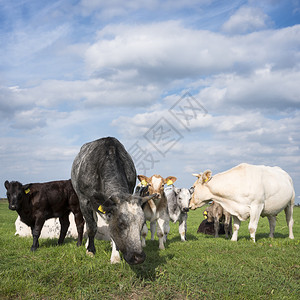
206 179
144 182
205 214
100 208
170 182
27 191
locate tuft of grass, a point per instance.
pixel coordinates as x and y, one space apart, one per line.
201 268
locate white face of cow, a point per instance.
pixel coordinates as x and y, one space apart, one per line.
183 197
125 225
125 220
201 193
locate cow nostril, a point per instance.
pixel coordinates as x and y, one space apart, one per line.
12 207
186 209
139 258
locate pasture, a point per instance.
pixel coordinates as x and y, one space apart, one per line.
201 268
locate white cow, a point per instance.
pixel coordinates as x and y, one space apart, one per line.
51 229
178 206
248 191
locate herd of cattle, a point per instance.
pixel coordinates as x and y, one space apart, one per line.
101 191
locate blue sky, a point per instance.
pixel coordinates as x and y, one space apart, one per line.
185 85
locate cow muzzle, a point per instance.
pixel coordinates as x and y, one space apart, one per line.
185 209
135 258
12 207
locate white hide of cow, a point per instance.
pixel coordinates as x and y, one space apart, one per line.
178 206
51 229
248 191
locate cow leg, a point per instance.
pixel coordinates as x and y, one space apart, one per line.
255 212
144 234
80 226
216 226
36 232
160 232
236 227
152 229
289 219
64 225
166 230
272 223
91 225
182 226
227 225
115 255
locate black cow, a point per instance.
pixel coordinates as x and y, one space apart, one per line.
38 202
104 176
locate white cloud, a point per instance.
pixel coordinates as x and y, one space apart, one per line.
166 51
246 19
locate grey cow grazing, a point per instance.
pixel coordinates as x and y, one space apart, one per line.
216 214
178 206
104 176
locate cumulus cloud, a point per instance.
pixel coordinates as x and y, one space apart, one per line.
169 51
246 19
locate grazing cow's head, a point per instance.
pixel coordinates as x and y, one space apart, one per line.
183 197
126 218
15 194
201 193
156 183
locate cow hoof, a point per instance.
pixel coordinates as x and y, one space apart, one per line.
90 254
115 260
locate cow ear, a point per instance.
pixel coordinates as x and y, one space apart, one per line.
176 190
108 206
6 184
206 176
191 190
170 180
144 180
115 199
26 188
197 175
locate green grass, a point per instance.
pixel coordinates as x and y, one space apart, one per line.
201 268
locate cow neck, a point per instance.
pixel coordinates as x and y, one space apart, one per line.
173 207
115 183
25 210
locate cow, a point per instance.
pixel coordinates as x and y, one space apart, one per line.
51 229
178 206
104 176
156 210
248 191
216 214
37 202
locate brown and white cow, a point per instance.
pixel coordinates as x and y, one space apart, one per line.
156 210
216 214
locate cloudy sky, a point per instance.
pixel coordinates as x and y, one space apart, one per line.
185 85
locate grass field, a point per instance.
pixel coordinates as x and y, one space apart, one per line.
201 268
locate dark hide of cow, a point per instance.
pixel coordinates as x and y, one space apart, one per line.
104 177
208 228
38 202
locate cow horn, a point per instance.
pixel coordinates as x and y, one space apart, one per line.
147 198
